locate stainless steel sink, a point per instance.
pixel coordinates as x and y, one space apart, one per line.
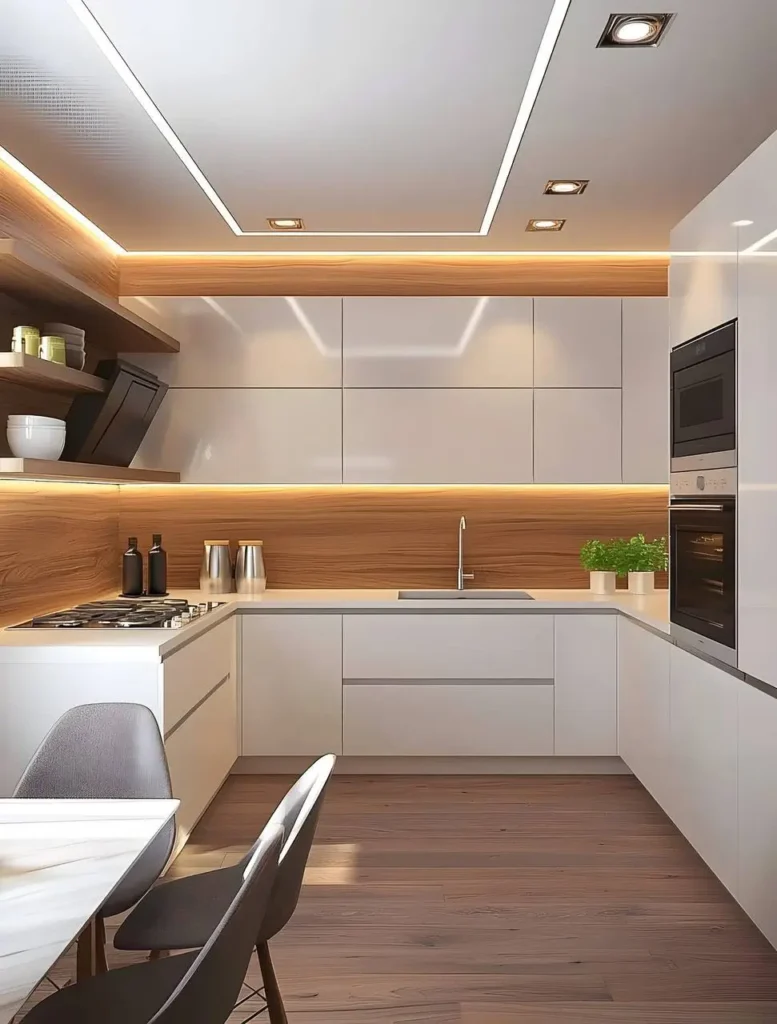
464 595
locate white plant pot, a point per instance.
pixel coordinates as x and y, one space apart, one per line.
642 582
602 582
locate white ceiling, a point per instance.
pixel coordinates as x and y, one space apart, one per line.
382 116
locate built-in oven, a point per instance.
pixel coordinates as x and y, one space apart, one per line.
704 390
702 551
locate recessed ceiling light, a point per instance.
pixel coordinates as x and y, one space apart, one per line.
741 223
565 186
635 29
286 223
545 225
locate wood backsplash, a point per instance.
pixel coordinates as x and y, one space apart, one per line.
393 536
57 546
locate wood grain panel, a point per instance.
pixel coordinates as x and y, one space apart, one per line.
396 536
58 546
406 274
26 214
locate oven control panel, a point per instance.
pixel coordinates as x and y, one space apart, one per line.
712 481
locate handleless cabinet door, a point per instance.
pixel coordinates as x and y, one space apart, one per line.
703 755
246 341
291 677
577 342
703 284
437 341
437 436
646 390
247 436
577 436
586 685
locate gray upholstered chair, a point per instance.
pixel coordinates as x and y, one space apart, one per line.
194 988
181 913
106 752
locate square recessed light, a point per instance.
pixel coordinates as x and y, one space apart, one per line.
565 186
635 29
542 224
286 223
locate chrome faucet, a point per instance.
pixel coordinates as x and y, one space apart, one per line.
461 575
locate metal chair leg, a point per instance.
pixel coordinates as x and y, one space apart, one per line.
272 993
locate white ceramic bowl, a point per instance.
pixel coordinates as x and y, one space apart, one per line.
32 421
75 358
36 442
64 330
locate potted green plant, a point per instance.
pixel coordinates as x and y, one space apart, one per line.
600 558
642 559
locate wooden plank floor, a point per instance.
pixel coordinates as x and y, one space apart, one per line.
498 900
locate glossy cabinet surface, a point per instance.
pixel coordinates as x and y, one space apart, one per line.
437 342
646 391
577 436
703 757
249 435
577 342
292 684
586 685
437 436
643 708
440 646
247 341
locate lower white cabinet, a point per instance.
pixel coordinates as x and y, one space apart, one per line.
643 708
757 884
447 719
201 751
703 760
586 684
292 684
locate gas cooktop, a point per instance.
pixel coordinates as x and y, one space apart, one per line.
124 613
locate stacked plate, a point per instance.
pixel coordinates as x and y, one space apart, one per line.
75 347
36 437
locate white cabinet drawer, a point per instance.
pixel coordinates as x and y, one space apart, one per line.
201 752
191 673
448 646
448 719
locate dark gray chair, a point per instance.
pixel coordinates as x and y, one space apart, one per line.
193 988
181 914
106 752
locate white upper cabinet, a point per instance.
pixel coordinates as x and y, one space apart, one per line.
577 436
646 391
247 341
437 342
577 343
247 436
437 436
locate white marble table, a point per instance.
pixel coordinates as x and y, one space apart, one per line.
59 860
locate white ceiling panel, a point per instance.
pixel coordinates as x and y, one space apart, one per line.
355 115
383 116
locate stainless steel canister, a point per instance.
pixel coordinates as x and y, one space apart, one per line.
216 571
250 574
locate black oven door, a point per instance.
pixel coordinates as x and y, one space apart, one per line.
703 567
704 394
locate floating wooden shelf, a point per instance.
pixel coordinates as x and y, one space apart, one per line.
32 278
48 376
40 469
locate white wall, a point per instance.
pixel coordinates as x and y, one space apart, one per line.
705 290
413 390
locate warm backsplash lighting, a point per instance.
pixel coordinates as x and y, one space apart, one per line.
394 536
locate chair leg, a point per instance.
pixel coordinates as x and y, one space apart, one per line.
86 952
275 1008
100 957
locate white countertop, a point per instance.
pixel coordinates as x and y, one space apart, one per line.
155 644
59 861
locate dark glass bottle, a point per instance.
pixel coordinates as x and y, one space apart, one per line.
132 570
157 567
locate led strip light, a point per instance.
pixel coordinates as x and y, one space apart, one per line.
539 68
